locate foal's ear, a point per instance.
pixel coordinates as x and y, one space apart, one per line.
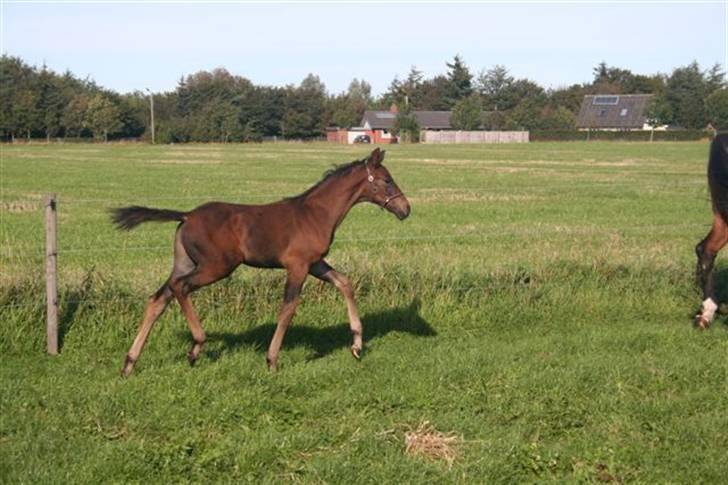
376 157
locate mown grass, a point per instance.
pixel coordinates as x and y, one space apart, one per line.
536 304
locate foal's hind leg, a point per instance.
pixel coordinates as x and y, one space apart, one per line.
204 275
706 252
323 271
156 305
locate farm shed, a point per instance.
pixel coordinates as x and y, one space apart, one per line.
613 112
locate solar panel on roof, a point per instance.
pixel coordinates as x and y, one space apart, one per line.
606 100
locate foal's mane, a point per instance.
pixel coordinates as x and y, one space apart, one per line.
336 171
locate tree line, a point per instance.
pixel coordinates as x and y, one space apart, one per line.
218 106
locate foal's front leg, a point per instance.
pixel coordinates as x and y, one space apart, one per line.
291 297
323 271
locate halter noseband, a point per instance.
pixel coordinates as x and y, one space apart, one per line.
370 178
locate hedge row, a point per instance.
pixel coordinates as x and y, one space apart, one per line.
573 135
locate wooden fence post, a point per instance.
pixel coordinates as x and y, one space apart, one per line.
51 283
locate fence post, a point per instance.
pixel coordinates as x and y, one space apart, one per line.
51 283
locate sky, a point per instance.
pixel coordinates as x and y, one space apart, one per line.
129 46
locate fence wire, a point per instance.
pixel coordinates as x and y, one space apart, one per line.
39 250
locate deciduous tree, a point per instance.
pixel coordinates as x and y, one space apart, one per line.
103 117
467 114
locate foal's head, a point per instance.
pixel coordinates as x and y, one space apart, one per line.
381 189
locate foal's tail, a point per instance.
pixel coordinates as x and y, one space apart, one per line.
127 218
718 174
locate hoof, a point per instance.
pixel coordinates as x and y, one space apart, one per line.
128 367
191 358
356 352
272 364
701 322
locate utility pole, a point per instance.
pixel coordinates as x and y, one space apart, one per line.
151 106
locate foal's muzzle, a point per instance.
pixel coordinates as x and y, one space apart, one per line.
404 214
397 205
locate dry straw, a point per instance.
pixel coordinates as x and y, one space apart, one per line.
428 442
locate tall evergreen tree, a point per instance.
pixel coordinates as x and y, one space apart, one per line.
51 102
460 81
496 88
686 92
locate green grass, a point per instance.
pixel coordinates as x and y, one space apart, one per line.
537 304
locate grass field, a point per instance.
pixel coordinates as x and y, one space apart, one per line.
537 305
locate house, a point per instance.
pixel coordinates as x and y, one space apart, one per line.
378 124
615 112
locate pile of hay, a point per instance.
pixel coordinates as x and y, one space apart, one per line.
428 442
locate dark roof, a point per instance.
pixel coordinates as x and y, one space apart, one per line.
428 120
379 120
434 120
615 111
384 120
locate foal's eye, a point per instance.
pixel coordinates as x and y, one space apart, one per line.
388 180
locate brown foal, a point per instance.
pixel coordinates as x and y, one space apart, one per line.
294 234
708 248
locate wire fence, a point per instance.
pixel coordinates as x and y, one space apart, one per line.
38 250
572 185
26 250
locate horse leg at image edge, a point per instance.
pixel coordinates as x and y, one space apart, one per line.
706 252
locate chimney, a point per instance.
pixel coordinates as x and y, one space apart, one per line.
393 108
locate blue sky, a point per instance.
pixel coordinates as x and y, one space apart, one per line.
129 46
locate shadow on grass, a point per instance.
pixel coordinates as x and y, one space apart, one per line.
325 340
69 308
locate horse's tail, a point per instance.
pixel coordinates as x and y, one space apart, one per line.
127 218
718 175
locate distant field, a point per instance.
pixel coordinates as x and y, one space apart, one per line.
536 304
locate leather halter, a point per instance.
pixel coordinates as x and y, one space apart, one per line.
370 178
